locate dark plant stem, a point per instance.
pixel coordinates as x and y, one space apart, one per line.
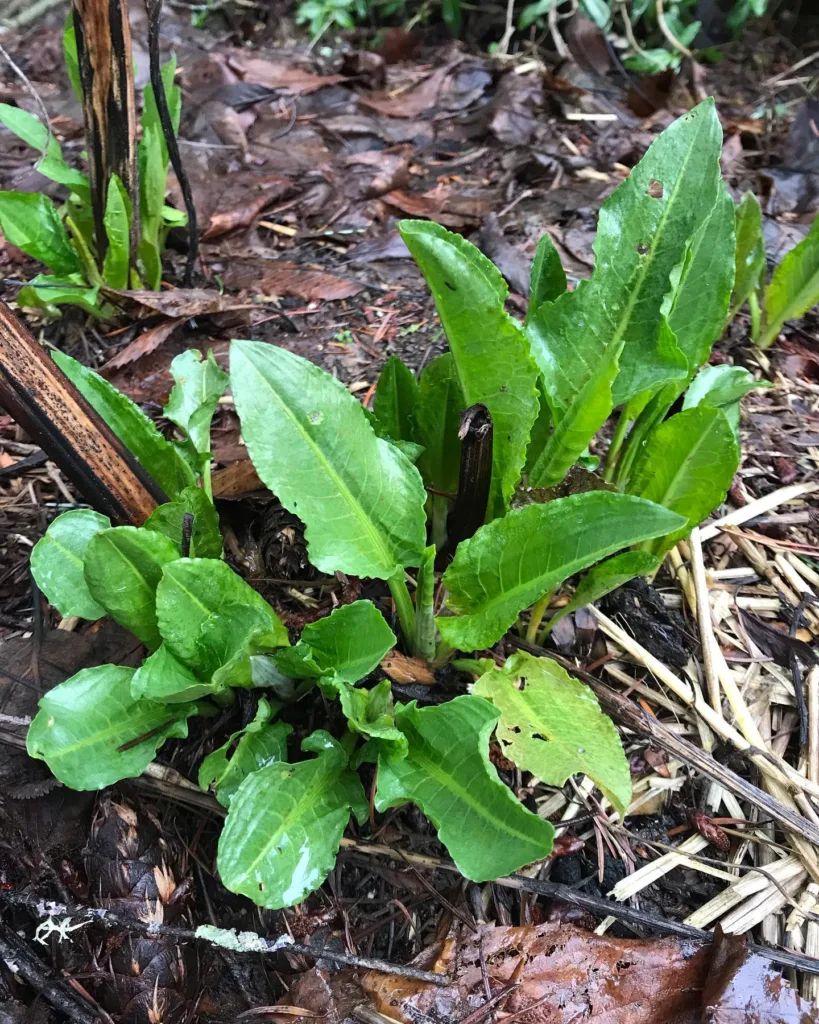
154 9
469 509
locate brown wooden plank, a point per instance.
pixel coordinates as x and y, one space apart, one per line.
35 392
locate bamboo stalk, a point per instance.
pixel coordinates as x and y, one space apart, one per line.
38 396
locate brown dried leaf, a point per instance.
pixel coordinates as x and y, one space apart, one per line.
415 101
282 75
405 670
148 341
454 207
178 302
306 283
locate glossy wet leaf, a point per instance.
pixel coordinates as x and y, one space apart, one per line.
192 599
193 400
259 744
510 563
547 280
136 431
470 293
84 721
750 250
118 230
122 568
687 465
30 221
206 540
395 398
643 230
576 423
45 291
57 562
551 725
369 713
285 823
348 644
702 283
162 677
50 163
722 387
447 773
794 287
361 500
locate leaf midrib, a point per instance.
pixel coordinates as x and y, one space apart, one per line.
448 782
684 467
387 558
314 788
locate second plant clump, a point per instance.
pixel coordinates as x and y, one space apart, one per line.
375 493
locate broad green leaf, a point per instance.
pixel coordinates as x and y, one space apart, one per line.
447 773
72 64
438 416
794 287
164 678
118 229
511 563
425 607
599 12
47 292
136 431
721 387
173 95
206 540
652 62
469 294
551 725
534 12
702 284
541 430
191 599
229 639
395 398
437 421
153 164
370 713
361 500
122 568
30 221
51 163
750 250
257 745
57 562
194 397
285 823
642 233
687 465
547 280
576 423
601 579
348 644
84 722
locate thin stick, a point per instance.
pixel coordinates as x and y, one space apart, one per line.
247 942
666 31
154 9
757 508
703 609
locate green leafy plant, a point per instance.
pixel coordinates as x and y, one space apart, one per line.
505 418
63 237
794 285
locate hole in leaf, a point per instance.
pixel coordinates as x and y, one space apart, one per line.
451 287
655 189
642 249
315 417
